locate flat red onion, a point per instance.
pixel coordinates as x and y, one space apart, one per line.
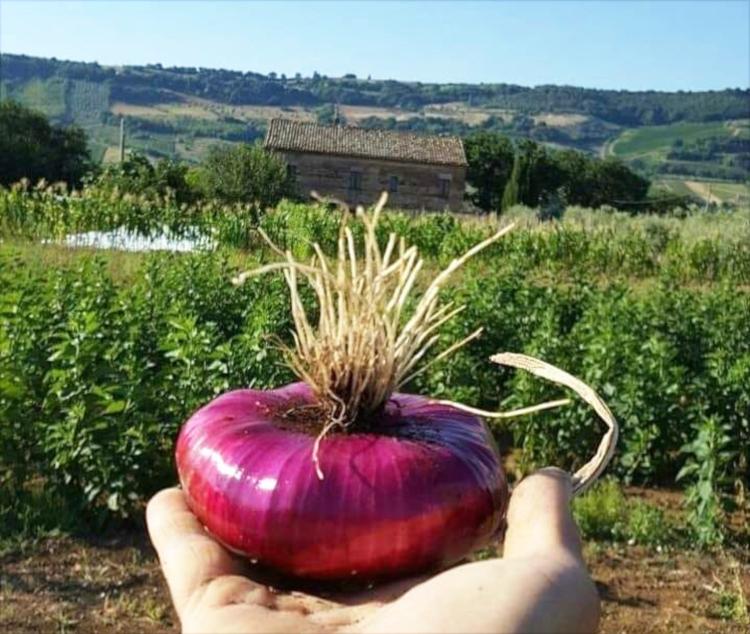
421 492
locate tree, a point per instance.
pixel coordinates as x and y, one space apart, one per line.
510 193
616 184
576 170
246 173
137 175
326 114
490 158
592 182
538 175
32 148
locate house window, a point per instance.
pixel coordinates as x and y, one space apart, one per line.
355 180
444 186
393 184
291 171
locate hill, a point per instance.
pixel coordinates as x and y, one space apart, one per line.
718 149
180 112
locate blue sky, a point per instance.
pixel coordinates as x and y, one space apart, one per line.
630 44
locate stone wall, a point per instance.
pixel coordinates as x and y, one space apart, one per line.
418 186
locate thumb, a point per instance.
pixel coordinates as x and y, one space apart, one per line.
539 517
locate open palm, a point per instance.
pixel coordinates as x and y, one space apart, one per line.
540 584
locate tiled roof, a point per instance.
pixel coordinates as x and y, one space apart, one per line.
296 136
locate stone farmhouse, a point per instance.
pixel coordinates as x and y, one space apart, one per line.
355 165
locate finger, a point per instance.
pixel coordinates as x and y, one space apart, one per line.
539 517
188 556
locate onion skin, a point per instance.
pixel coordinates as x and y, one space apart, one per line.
420 494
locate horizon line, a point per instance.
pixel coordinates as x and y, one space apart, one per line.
382 79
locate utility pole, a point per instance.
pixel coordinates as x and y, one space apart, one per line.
122 140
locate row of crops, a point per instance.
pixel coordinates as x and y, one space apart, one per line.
103 355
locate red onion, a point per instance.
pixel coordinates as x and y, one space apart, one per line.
420 490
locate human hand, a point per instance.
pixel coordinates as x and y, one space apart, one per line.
540 585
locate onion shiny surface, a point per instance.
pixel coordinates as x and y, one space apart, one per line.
421 491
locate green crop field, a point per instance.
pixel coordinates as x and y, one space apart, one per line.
658 139
673 186
47 96
736 193
86 100
732 192
715 151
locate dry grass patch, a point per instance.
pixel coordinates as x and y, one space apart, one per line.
559 120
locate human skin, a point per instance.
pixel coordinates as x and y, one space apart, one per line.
540 585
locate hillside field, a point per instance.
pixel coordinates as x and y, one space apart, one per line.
716 150
162 128
717 192
179 112
658 139
185 126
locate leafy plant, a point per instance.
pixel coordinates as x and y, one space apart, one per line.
102 358
708 457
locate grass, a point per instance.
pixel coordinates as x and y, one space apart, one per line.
730 600
605 513
195 149
732 226
658 139
209 110
736 193
732 192
648 149
121 265
674 186
161 145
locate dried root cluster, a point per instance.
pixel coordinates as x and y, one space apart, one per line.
363 346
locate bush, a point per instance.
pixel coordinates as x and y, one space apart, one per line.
96 378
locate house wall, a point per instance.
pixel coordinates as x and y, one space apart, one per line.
418 186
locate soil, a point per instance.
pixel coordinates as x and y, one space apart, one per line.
113 584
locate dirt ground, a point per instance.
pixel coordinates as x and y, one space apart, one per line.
61 584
